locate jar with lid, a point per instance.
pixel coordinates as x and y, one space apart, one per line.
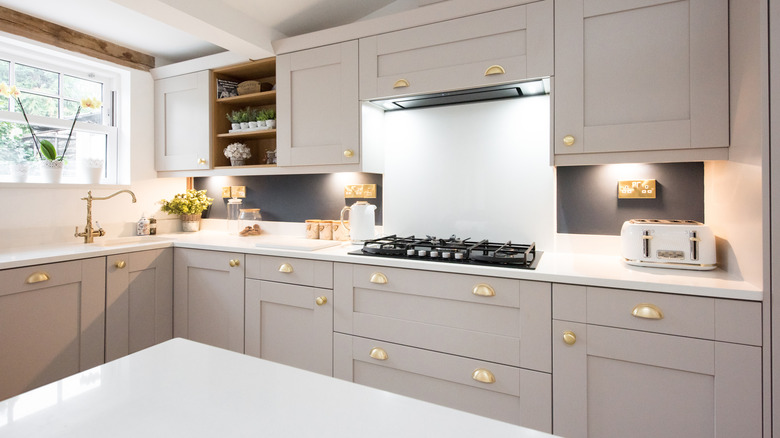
233 207
249 217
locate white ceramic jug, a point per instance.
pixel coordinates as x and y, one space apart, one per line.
361 221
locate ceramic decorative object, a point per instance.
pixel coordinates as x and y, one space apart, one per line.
19 171
271 124
93 169
51 171
190 222
237 161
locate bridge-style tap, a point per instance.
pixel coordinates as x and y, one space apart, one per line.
89 232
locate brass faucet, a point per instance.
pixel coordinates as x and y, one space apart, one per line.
89 232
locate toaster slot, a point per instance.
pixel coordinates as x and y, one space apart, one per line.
646 243
694 245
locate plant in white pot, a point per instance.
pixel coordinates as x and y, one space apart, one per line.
270 116
238 153
189 206
234 117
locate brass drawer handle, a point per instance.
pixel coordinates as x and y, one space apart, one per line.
569 337
37 278
120 264
286 268
483 375
495 70
349 153
378 353
483 290
378 278
568 140
321 300
647 311
235 262
401 83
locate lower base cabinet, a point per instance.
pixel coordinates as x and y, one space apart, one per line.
52 320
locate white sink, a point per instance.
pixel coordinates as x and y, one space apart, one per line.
134 240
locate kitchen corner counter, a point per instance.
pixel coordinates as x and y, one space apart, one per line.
581 269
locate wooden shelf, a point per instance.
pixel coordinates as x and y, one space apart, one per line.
267 133
261 98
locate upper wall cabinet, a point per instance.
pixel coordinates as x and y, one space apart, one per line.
485 49
318 107
181 125
641 80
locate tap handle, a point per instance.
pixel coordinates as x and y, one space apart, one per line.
77 232
97 224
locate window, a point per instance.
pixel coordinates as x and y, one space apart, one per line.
51 93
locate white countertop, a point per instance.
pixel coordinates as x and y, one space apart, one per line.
183 388
581 269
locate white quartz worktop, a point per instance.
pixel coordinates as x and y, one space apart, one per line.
582 269
182 388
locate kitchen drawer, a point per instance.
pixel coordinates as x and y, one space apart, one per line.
683 315
290 270
34 277
444 312
516 396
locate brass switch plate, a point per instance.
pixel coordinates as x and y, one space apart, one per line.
636 189
226 192
238 191
360 191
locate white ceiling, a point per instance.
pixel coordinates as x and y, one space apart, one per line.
178 30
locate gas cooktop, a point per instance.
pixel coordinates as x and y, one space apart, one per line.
453 250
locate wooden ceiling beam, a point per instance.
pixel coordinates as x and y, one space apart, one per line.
43 31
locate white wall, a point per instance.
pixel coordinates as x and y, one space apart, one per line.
477 170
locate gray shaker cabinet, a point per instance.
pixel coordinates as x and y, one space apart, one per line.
139 301
52 321
208 297
289 312
641 364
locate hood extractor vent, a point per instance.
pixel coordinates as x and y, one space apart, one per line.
503 91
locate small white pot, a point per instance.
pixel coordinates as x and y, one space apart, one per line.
252 125
235 126
51 171
244 125
271 124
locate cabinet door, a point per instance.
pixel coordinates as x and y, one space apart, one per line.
317 106
208 297
181 122
641 75
51 323
290 324
618 383
139 301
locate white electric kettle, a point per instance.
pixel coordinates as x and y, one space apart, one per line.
361 221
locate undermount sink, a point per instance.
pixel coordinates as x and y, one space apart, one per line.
133 240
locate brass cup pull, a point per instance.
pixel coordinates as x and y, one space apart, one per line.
378 278
120 264
568 140
378 353
235 262
349 153
483 290
569 337
483 375
647 311
321 300
495 70
286 268
401 83
37 277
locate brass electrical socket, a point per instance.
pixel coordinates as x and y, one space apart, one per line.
238 191
226 192
636 189
360 191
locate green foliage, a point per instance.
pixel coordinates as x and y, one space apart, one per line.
48 150
266 114
191 202
234 116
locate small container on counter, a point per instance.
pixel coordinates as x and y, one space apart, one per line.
248 222
326 230
152 226
233 208
142 227
312 229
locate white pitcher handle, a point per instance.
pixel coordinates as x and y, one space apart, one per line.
341 218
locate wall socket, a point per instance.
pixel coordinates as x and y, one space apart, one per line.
234 192
360 191
636 189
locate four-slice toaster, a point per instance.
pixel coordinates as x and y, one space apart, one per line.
680 244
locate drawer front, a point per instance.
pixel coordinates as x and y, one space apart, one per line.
37 277
290 270
655 312
505 393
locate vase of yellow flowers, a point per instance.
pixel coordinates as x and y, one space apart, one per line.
51 162
189 206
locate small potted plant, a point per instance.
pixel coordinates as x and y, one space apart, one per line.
261 117
251 115
189 206
270 118
235 120
243 118
238 153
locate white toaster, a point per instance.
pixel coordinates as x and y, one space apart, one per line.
680 244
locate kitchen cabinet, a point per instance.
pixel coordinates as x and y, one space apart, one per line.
318 107
289 312
208 297
485 49
641 81
631 363
478 344
182 110
139 301
52 321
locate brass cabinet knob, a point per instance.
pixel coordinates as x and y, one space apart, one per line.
286 268
401 83
494 70
235 262
321 300
568 140
201 161
647 311
378 278
483 290
37 277
378 353
483 375
120 264
349 153
569 337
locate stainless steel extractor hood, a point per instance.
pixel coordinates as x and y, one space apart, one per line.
504 91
